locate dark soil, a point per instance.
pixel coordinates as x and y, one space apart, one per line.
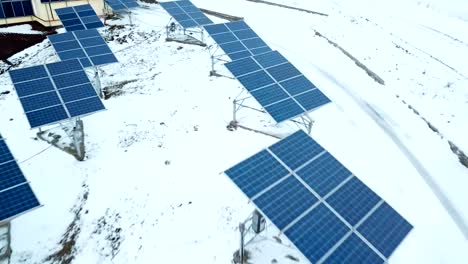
12 43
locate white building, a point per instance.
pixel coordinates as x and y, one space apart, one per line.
42 11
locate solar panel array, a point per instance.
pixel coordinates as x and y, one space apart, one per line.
282 90
54 92
237 39
327 212
186 13
119 5
79 17
16 195
15 8
85 45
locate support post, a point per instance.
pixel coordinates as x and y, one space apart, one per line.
130 18
78 138
234 110
98 82
241 248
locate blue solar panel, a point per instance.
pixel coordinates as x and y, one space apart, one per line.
186 14
323 174
353 251
256 173
11 175
269 94
285 202
272 68
118 5
66 92
328 213
256 80
385 229
5 154
16 201
296 150
317 232
79 17
237 37
15 195
353 201
86 45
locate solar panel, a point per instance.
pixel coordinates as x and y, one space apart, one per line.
54 92
16 196
186 13
85 45
282 90
237 39
79 17
119 5
327 212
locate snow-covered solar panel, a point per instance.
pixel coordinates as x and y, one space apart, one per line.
79 17
119 5
237 39
186 13
86 45
327 212
55 92
282 90
16 196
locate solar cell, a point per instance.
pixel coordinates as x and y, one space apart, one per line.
79 17
237 39
15 194
86 45
65 92
327 212
269 68
119 5
186 13
16 201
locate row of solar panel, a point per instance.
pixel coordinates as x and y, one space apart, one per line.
119 5
55 92
317 202
15 194
16 9
237 39
282 90
79 17
86 45
186 13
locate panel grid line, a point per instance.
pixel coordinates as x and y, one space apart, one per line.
58 94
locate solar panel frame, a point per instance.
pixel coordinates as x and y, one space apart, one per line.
308 233
79 17
63 76
272 68
238 34
186 13
86 45
16 196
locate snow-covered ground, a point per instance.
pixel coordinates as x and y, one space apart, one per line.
20 29
151 189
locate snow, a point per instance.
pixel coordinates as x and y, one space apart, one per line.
19 29
153 181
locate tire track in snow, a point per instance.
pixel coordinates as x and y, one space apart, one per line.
423 172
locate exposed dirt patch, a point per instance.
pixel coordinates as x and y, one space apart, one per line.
115 89
12 43
67 250
109 226
369 72
462 157
288 7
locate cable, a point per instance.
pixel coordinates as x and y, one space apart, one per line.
36 154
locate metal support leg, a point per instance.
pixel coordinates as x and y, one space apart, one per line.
241 248
98 82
